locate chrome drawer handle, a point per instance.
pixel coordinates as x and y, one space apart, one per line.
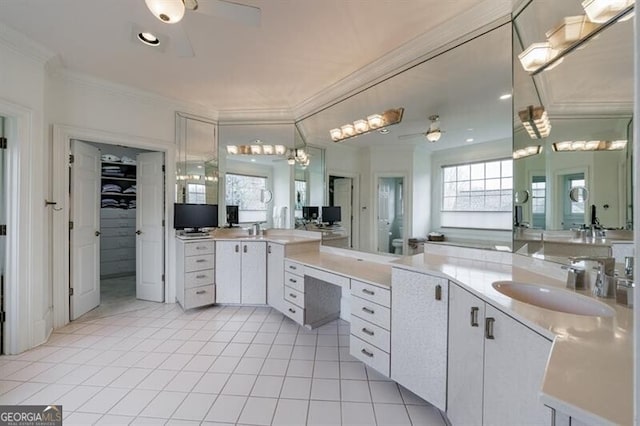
369 332
201 292
293 311
292 280
201 260
367 353
438 292
369 311
488 328
292 267
369 292
201 276
293 295
474 316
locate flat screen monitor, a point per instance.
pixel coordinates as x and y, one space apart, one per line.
232 215
310 212
195 216
331 214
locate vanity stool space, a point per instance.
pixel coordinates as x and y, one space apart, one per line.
195 272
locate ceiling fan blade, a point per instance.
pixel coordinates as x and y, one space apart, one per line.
180 40
412 136
242 13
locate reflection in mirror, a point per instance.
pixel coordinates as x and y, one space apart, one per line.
197 160
521 196
587 97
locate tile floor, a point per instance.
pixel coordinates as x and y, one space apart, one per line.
219 365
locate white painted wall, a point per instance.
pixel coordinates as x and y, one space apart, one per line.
421 199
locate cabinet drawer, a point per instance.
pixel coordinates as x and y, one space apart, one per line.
199 296
329 277
294 296
371 292
370 355
198 248
372 312
294 267
377 336
294 281
198 278
294 312
198 263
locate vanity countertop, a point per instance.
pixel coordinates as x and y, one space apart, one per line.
364 270
589 373
271 236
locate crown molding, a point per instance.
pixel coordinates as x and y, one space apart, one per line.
441 38
23 45
256 116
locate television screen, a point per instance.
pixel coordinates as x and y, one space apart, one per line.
310 212
331 214
195 216
232 215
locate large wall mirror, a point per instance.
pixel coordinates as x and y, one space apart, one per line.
587 97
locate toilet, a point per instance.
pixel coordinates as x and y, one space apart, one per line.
396 243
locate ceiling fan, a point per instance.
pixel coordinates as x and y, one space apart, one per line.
172 12
434 132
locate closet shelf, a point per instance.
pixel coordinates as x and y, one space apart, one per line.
107 177
118 163
119 194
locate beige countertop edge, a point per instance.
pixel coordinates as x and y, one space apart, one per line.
596 388
276 239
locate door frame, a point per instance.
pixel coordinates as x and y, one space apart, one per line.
62 136
355 201
407 208
556 210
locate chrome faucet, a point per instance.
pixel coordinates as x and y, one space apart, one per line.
605 281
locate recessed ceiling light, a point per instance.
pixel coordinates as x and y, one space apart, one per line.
470 140
383 131
253 160
148 39
505 96
470 129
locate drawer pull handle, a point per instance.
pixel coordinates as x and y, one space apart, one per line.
201 248
244 249
369 332
201 292
368 310
474 316
237 248
292 280
488 328
201 276
201 260
269 249
292 267
438 292
293 311
293 295
369 292
367 353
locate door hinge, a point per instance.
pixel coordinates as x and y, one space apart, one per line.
3 317
70 225
163 167
70 291
3 143
163 223
3 230
72 158
162 277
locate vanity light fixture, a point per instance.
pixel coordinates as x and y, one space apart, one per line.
505 96
168 11
567 146
600 11
536 121
537 55
571 30
362 126
256 149
527 151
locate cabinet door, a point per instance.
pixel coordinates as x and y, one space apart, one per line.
466 357
254 272
514 362
228 262
419 305
275 275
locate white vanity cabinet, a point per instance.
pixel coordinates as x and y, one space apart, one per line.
275 275
241 272
496 366
419 303
195 273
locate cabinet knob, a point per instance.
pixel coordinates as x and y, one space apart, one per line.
138 232
488 328
97 233
474 316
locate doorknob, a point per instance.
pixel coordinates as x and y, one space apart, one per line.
138 232
97 233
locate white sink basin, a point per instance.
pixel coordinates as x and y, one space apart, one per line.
553 298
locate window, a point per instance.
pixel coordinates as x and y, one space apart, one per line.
195 193
247 192
478 195
538 201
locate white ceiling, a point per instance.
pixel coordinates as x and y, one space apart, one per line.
300 47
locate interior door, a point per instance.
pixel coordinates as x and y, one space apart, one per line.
384 215
85 233
3 224
149 227
342 197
